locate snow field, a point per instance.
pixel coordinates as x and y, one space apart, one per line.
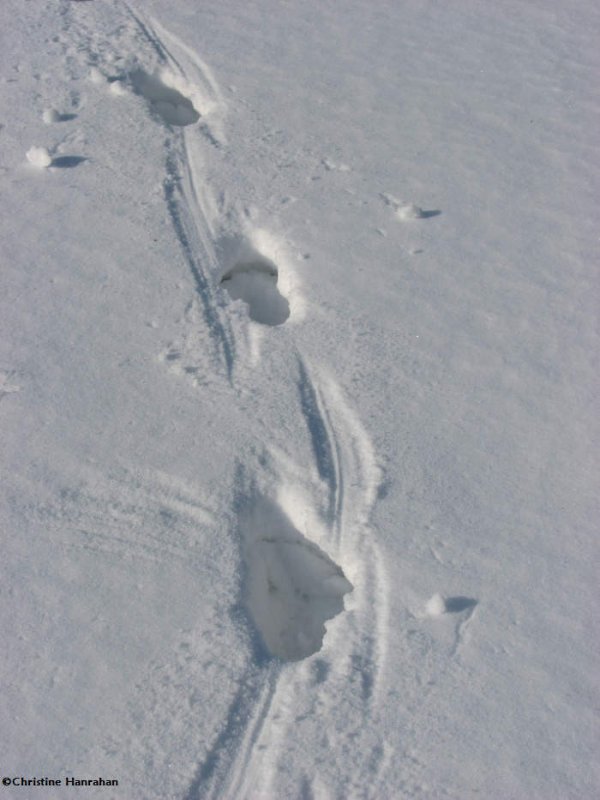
249 432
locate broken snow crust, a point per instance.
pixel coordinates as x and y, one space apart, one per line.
298 398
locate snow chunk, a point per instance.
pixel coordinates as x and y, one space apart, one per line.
50 115
39 157
435 606
96 76
409 211
117 88
406 211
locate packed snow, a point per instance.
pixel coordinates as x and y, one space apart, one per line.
435 606
299 400
50 116
39 156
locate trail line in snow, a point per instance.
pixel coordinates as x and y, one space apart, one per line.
185 95
188 206
223 771
345 462
194 234
324 445
354 484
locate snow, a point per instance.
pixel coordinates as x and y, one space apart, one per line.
118 89
293 588
161 92
298 399
97 76
39 156
51 116
435 606
252 278
409 211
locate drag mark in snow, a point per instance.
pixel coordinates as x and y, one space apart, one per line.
224 769
147 32
292 586
354 466
182 92
344 460
195 241
324 445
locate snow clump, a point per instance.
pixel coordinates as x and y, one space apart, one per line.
435 606
409 211
50 115
96 76
118 89
39 157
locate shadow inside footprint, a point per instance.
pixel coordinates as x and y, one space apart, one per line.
250 276
174 107
255 283
292 586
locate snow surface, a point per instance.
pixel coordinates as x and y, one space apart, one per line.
255 415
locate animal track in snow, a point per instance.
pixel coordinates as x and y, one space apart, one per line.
164 96
292 586
251 277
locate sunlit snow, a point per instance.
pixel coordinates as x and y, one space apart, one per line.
299 399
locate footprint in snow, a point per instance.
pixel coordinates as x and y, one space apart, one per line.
292 586
164 98
251 277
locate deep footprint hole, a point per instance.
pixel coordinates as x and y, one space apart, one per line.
254 280
292 587
169 103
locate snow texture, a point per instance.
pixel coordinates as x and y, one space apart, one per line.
300 326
